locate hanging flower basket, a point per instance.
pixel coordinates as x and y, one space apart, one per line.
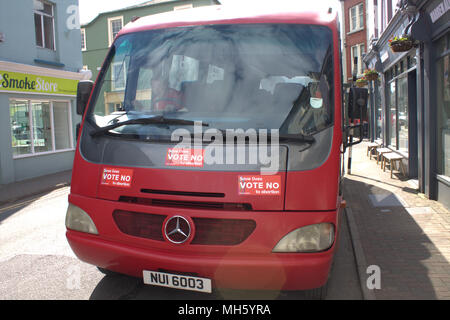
361 82
371 75
401 44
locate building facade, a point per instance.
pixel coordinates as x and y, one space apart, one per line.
354 36
98 34
410 102
40 64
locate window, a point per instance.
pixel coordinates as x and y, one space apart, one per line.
356 14
44 24
182 7
114 26
399 113
361 16
379 111
118 76
40 126
443 105
83 39
358 51
402 104
392 115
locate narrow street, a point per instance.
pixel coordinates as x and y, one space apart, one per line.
36 262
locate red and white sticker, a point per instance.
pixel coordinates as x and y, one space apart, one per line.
117 177
185 157
260 185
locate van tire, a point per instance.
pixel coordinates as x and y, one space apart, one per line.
107 272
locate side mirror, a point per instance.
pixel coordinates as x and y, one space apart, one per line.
84 90
357 114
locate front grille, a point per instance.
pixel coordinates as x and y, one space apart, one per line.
139 224
208 231
225 232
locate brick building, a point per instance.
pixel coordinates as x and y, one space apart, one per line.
354 35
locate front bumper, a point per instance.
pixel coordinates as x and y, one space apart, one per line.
250 265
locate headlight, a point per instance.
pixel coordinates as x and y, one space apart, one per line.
79 220
312 238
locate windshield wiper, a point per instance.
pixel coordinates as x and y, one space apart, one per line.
297 138
282 137
152 120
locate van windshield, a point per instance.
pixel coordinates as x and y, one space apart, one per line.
260 76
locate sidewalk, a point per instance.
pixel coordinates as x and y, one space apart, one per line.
406 235
18 190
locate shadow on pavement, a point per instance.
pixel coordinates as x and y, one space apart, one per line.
122 287
392 240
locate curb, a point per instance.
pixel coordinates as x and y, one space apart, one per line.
361 264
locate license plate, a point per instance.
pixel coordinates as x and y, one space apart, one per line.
177 281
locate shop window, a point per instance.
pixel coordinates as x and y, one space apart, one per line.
62 125
44 24
379 111
40 127
392 115
443 106
20 127
398 112
402 104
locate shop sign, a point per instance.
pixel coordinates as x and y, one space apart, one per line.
31 83
440 10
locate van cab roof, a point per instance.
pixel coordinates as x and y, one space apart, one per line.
227 14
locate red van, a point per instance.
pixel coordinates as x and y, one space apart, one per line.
209 154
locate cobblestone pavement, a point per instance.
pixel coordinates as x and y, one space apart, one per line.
400 230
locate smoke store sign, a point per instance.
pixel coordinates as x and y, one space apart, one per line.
441 9
30 83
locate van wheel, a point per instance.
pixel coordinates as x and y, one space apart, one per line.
317 294
107 272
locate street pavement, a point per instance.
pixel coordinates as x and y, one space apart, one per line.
401 232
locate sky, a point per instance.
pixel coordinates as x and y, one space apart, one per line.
89 9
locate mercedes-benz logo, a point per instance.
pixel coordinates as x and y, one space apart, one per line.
177 229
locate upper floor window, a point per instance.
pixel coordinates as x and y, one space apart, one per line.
358 51
44 24
114 26
83 39
356 17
